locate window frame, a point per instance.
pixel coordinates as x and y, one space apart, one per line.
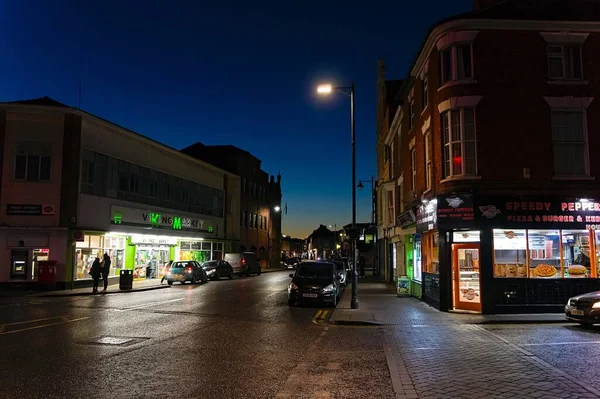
411 113
413 169
428 160
33 150
454 72
567 61
448 120
425 92
586 149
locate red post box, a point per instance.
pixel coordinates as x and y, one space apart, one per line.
47 272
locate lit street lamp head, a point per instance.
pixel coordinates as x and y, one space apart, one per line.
277 209
324 89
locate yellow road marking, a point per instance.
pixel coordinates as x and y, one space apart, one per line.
318 315
324 315
42 326
32 321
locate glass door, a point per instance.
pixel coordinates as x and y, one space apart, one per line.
465 273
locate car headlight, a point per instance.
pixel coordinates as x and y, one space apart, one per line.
596 305
329 288
293 286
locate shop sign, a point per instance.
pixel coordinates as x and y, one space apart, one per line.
427 216
153 240
406 218
403 286
538 212
139 217
455 211
29 210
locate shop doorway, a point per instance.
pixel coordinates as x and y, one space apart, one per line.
465 277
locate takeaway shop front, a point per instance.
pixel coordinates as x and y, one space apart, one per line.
509 254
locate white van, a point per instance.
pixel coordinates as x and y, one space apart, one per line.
245 263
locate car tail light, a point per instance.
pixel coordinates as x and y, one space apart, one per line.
189 269
243 261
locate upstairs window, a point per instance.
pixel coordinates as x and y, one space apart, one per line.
564 62
413 168
428 163
33 162
411 113
569 143
456 63
460 155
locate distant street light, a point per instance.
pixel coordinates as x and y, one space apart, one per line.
277 208
349 91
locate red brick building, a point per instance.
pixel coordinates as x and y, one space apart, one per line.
488 168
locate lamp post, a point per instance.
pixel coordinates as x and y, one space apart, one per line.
334 237
373 215
349 91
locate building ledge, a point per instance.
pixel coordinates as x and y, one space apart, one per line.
456 83
573 178
573 82
460 178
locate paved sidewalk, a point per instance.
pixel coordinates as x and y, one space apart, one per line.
380 305
138 286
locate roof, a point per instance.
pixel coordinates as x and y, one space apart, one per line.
44 101
227 148
322 231
525 10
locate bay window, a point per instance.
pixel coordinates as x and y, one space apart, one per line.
456 62
460 155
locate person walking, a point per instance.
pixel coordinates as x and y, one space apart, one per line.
166 270
95 273
105 270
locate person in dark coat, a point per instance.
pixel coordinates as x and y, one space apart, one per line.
105 270
95 272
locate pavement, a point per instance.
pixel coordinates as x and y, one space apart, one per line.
380 305
240 339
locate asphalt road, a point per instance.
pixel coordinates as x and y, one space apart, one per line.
223 339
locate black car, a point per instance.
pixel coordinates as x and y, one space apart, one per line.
584 309
292 263
215 269
314 282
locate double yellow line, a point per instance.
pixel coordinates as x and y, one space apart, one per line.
320 316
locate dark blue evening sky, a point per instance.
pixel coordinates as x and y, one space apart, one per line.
239 73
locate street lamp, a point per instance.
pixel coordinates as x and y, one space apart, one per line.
349 91
334 234
277 208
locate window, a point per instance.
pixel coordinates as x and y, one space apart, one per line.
569 143
430 249
428 163
245 224
456 63
244 182
33 162
417 268
411 112
460 158
564 62
255 221
390 206
425 93
413 169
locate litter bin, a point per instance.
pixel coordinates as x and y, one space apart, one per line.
126 279
47 273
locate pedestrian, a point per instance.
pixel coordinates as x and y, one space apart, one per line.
95 273
361 262
105 270
166 270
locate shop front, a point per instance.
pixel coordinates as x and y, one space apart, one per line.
502 254
145 241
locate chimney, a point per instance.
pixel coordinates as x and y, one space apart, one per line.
481 4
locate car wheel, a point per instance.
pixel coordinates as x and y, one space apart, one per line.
205 279
170 282
334 303
231 274
193 280
258 273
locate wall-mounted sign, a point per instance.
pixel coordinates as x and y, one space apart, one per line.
29 210
153 240
455 211
406 218
427 216
138 217
538 212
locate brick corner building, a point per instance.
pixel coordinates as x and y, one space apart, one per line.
489 165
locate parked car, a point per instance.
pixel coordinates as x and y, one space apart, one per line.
186 270
245 263
292 263
584 309
215 269
314 282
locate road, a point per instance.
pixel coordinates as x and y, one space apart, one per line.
223 339
239 339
